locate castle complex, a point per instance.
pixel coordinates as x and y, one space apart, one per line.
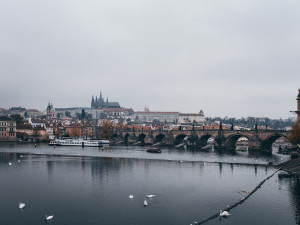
99 103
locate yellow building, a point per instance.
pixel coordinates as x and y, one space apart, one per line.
7 129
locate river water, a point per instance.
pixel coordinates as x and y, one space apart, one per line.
90 186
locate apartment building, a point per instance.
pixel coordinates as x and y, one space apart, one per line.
7 129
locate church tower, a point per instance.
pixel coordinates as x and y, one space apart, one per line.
101 101
50 114
93 103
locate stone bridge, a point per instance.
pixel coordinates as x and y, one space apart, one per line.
257 139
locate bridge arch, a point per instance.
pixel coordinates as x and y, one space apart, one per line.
203 139
179 139
267 143
159 138
231 140
193 139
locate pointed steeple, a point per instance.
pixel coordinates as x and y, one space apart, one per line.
93 102
96 102
201 113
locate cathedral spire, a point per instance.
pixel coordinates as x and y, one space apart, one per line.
93 102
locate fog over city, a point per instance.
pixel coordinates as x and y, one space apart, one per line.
229 58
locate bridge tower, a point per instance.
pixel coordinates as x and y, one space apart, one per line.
298 105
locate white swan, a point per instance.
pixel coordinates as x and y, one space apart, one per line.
49 217
19 161
9 163
150 196
224 213
130 196
21 205
145 203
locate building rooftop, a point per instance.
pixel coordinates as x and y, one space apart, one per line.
117 110
157 112
6 118
190 114
17 108
24 126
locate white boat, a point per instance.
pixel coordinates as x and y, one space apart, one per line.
79 142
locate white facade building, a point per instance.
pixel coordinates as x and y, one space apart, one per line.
191 117
163 117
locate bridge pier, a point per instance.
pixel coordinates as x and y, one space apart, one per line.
254 142
220 139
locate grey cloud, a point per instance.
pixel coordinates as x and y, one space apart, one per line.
235 58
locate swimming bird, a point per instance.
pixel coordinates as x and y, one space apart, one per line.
9 163
150 196
145 203
224 213
21 205
130 196
49 217
19 161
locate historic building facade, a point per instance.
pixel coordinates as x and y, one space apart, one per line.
191 117
7 129
99 103
156 117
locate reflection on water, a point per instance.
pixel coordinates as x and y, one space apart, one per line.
89 190
293 189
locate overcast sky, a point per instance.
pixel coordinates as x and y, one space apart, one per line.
230 58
